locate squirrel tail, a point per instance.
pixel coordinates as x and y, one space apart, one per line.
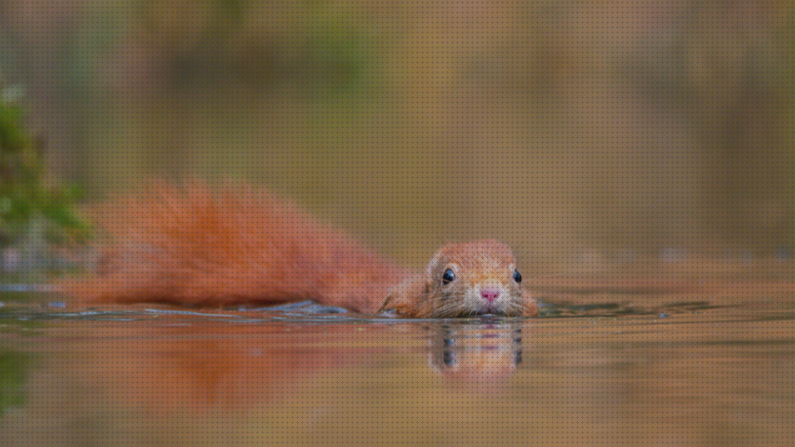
185 244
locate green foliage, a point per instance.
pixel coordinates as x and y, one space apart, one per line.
12 380
24 195
334 48
324 48
12 136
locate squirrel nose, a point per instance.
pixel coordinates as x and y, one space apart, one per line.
490 293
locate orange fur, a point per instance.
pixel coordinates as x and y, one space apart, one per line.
188 245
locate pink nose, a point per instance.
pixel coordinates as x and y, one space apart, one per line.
490 293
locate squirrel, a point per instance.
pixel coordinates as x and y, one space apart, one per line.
186 245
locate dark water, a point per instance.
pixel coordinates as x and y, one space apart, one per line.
601 373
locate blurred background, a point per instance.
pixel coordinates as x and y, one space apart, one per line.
579 132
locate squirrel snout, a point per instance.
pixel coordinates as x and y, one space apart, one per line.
490 293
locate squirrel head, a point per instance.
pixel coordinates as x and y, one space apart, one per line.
465 279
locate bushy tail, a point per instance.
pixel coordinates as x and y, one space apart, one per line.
188 245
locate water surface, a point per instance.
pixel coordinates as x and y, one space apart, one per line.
610 372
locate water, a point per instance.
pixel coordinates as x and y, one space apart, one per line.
638 370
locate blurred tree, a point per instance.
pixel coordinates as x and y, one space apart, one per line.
25 195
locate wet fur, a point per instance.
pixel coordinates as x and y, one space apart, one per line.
187 245
476 264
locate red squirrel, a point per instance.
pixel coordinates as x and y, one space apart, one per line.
187 245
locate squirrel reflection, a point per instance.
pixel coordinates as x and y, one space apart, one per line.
480 355
181 367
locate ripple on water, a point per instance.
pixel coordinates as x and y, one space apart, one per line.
583 373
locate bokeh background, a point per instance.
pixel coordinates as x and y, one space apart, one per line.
576 131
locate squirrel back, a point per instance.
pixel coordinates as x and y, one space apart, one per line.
188 245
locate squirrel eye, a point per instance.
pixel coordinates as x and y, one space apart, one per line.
448 276
517 276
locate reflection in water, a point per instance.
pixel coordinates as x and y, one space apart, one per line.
480 356
13 369
720 376
190 366
218 366
190 363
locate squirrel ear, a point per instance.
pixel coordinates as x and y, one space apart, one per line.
432 266
434 263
